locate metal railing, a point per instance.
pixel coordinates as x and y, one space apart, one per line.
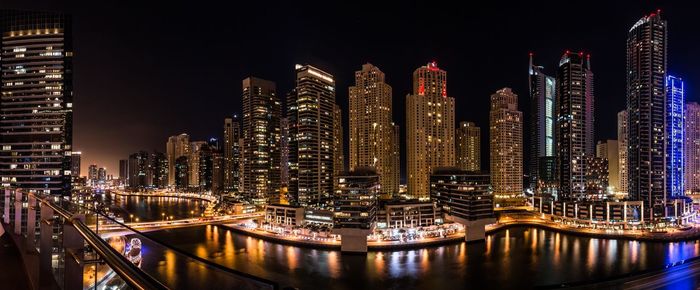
69 240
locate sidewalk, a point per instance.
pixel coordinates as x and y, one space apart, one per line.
11 275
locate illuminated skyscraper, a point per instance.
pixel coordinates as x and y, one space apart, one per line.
37 101
646 109
262 111
692 148
675 102
430 128
284 152
338 156
231 154
176 147
310 111
609 150
575 123
506 145
75 163
124 171
622 144
371 127
92 173
468 142
138 170
158 170
542 128
396 156
194 162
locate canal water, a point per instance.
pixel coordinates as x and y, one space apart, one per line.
516 258
152 208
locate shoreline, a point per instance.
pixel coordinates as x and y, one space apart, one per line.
692 234
157 195
371 246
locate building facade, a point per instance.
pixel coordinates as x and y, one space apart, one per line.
542 127
609 150
36 74
176 147
574 124
231 155
692 148
468 146
622 149
75 163
355 199
646 109
338 148
506 145
430 124
310 113
675 127
262 111
371 127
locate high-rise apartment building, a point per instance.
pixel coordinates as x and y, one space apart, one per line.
338 148
158 170
92 173
310 114
468 146
194 162
36 74
692 148
622 145
75 163
284 152
646 109
124 171
231 154
176 147
542 128
506 145
372 128
609 150
430 128
575 123
675 117
262 111
138 170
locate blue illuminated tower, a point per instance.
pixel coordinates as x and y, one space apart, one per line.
675 120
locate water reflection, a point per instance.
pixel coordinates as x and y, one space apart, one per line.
152 208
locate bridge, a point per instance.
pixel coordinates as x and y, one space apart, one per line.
113 228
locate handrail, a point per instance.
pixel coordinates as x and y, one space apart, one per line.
131 274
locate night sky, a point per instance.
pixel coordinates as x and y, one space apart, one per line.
146 71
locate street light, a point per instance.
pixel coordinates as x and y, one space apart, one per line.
191 214
131 216
162 214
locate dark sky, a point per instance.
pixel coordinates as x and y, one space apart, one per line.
145 71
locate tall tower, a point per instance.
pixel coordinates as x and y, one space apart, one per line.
646 109
506 145
575 123
338 148
37 101
608 150
310 113
176 147
430 123
468 142
262 111
371 126
232 154
622 145
542 127
692 148
675 102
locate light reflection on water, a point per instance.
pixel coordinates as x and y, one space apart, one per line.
512 259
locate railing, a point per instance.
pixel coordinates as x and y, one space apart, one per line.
75 254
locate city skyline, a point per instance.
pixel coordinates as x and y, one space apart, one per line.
473 77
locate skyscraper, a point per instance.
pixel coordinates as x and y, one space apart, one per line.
92 173
37 101
176 147
430 128
310 111
338 155
262 111
622 145
542 127
158 170
182 173
396 157
609 150
124 171
692 147
194 162
284 152
646 109
371 126
468 142
675 102
138 170
575 123
232 154
75 163
506 145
